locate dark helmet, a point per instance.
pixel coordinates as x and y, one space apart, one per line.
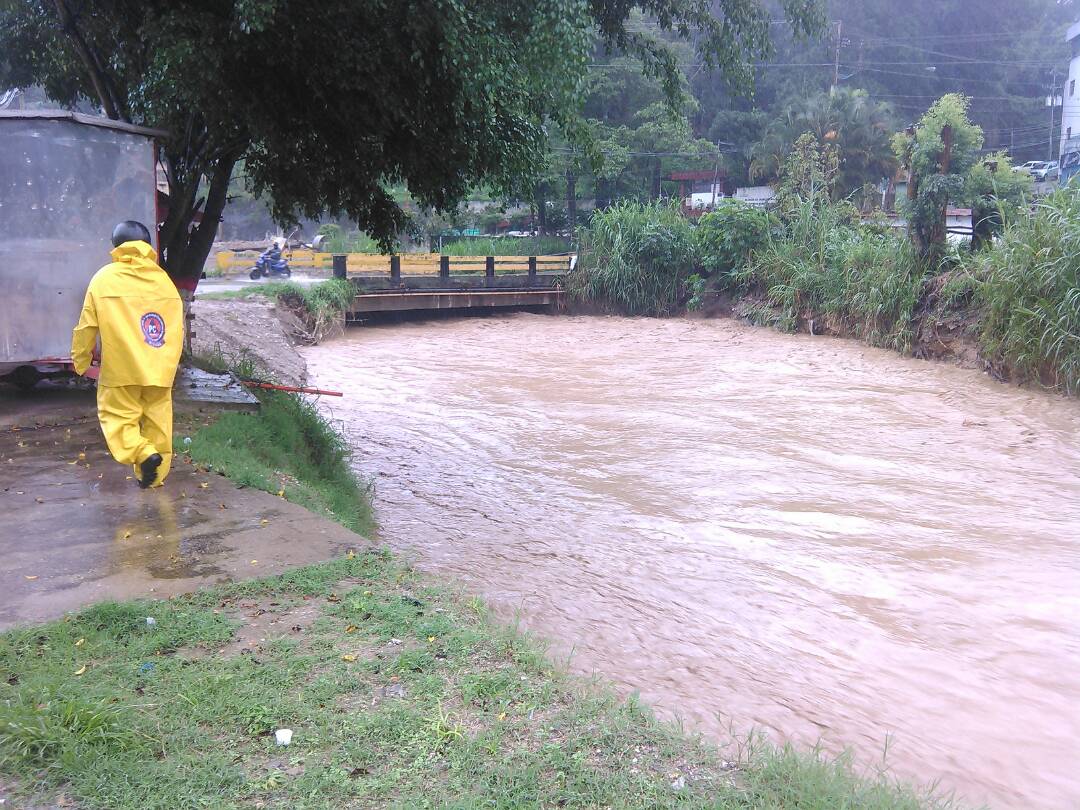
130 231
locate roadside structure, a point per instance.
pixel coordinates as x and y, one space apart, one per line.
65 180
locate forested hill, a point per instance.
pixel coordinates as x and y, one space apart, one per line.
1003 54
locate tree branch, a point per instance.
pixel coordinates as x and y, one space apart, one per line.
203 237
96 71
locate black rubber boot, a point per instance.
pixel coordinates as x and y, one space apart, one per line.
149 470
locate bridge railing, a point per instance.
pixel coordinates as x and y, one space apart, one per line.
410 264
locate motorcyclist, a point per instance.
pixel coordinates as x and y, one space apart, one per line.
135 310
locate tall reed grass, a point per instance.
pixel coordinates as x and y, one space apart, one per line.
824 272
635 259
1028 285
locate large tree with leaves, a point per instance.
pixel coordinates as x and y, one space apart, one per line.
938 153
327 103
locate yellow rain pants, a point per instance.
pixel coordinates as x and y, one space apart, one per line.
137 422
133 307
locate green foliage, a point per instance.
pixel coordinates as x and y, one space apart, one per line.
845 119
340 241
824 273
465 713
1028 282
287 446
996 193
939 153
506 246
728 236
809 175
451 95
635 259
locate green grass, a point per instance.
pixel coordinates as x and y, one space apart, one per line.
636 259
506 246
823 271
1027 286
287 447
399 694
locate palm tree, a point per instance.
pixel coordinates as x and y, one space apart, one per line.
848 118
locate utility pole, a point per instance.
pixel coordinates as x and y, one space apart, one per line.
1052 102
836 62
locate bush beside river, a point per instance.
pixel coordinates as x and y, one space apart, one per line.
813 266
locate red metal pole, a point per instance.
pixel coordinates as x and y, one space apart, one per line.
291 389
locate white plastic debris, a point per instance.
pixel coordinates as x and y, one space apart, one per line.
150 621
187 440
283 736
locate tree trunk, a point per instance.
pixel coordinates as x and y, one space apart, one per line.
541 208
571 202
185 244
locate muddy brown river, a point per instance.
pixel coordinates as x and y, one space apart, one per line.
799 534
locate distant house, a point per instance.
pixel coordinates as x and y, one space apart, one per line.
958 222
757 196
698 190
1069 149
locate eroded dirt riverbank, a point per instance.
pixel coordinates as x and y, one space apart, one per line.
800 533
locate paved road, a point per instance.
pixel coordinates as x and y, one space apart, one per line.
237 283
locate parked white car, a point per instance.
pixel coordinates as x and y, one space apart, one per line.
1048 171
1041 170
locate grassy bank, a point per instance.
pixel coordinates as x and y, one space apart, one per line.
287 448
814 267
397 693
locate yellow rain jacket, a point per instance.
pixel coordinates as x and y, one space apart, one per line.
136 309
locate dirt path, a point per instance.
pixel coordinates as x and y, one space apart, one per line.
255 328
76 530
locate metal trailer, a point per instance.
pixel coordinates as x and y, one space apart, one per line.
65 180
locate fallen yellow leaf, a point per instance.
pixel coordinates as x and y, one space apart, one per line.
82 456
502 715
281 493
350 554
203 485
347 657
80 642
127 535
72 463
254 562
81 670
264 521
351 628
30 577
367 593
430 639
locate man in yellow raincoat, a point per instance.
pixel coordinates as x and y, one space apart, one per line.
135 310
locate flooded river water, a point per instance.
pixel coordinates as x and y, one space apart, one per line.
800 534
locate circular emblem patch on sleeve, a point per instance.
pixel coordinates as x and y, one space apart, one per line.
153 329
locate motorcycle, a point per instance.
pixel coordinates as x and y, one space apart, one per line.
270 263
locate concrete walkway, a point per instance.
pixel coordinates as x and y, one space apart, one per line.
75 529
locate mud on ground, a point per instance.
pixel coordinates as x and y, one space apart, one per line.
258 329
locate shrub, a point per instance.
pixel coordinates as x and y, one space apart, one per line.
819 266
728 236
635 259
1028 282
